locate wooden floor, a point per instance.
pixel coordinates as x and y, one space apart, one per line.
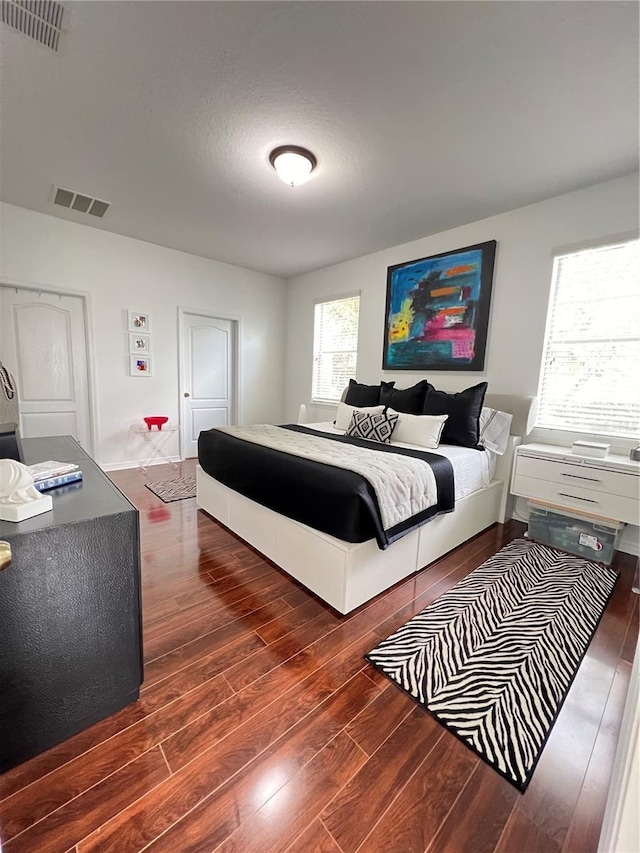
261 729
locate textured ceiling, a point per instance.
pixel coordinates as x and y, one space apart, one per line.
423 116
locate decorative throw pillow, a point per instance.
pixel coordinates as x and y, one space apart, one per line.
421 430
462 426
374 427
345 413
362 395
408 400
494 430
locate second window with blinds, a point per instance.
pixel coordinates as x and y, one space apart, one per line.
590 366
335 347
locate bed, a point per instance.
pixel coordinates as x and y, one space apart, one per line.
346 574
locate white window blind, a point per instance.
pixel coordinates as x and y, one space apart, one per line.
335 347
590 377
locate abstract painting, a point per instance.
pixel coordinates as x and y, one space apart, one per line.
437 312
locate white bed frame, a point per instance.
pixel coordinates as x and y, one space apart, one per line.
343 574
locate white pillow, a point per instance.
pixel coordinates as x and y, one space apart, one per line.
345 413
494 429
423 430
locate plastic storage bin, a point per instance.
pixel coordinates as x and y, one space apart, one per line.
590 537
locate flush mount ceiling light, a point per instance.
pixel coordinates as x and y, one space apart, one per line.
293 164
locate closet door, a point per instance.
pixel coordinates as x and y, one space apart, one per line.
43 343
207 368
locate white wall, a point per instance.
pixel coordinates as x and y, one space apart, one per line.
526 240
119 273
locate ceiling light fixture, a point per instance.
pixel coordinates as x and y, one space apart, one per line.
293 164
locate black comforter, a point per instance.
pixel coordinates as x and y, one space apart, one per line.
333 500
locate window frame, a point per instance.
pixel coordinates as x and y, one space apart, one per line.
322 301
568 434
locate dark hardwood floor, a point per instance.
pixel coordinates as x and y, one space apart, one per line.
261 729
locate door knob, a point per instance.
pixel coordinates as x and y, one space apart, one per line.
187 394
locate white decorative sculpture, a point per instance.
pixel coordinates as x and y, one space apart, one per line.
19 499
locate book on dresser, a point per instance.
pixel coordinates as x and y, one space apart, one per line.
49 469
61 480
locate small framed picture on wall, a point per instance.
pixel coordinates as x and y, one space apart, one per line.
139 344
140 365
139 321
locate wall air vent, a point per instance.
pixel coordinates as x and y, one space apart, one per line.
40 20
80 202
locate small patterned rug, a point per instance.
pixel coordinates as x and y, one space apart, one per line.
494 657
174 490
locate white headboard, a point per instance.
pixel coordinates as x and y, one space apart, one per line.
522 408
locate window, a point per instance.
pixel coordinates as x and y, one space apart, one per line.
335 347
590 377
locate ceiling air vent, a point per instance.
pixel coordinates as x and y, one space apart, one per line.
80 202
40 20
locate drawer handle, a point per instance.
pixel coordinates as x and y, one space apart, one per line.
578 477
575 498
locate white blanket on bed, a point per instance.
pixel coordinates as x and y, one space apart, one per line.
404 486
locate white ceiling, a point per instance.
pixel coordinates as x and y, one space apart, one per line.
423 116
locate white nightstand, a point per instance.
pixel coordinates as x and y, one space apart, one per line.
609 487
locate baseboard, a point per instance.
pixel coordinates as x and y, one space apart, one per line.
118 466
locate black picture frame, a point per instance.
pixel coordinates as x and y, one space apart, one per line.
437 310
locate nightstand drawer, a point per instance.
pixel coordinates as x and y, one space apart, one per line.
570 476
578 498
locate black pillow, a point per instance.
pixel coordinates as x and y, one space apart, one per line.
362 395
407 400
462 427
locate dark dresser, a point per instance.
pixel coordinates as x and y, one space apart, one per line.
70 611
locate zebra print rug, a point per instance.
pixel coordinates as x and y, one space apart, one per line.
174 490
493 658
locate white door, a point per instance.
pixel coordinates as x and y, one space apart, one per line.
207 377
43 343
